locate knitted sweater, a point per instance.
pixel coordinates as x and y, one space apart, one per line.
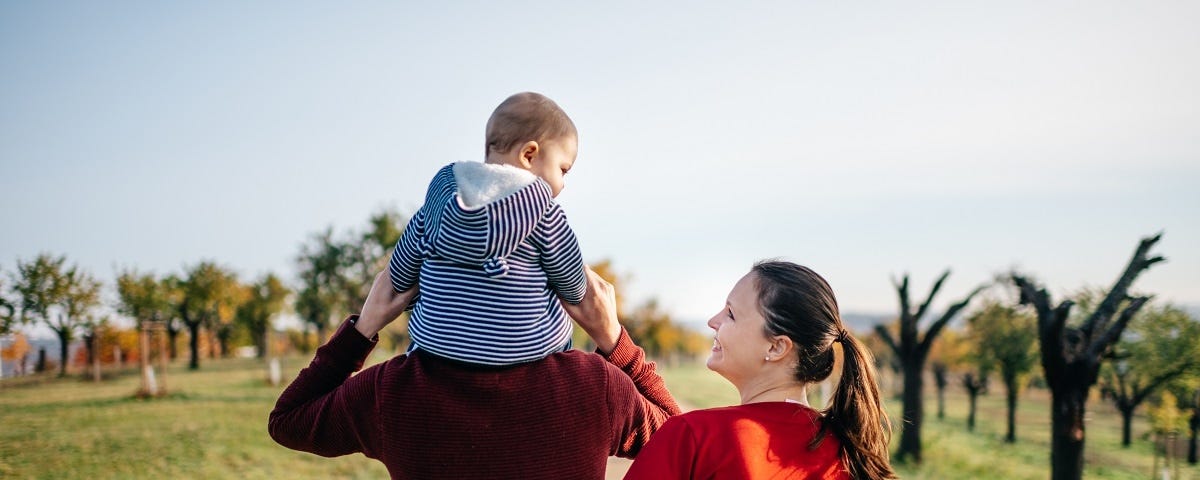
493 253
427 418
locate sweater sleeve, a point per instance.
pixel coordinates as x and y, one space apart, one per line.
560 257
637 396
671 454
405 265
324 410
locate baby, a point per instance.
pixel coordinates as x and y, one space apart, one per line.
491 247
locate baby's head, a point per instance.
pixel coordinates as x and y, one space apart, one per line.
530 131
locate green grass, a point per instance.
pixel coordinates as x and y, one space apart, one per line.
213 425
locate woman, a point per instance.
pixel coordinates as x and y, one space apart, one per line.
774 337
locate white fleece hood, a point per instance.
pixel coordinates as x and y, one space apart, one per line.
493 210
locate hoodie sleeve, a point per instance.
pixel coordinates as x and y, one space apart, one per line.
405 265
560 257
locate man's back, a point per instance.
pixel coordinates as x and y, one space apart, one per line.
425 417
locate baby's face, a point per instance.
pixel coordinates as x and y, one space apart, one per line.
554 160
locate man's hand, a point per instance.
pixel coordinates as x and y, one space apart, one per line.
383 305
597 313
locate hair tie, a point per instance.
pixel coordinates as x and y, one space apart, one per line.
842 335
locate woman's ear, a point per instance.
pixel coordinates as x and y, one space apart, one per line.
781 347
528 152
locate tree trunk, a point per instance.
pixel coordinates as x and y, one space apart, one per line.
941 398
64 341
223 341
194 345
1066 449
1011 436
971 396
910 436
144 361
939 378
1194 425
1126 426
261 340
96 357
172 334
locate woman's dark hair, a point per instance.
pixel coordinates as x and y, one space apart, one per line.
798 303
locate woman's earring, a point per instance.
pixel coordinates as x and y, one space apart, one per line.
767 358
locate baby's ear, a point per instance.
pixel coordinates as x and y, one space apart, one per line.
528 152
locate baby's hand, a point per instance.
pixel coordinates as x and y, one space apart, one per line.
597 313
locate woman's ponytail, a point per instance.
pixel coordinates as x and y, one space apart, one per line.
856 414
798 303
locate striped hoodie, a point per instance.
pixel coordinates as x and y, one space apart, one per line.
492 250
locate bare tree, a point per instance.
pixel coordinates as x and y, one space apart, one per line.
1071 354
912 349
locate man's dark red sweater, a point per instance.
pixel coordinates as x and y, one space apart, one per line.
424 417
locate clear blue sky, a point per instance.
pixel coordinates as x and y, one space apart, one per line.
863 140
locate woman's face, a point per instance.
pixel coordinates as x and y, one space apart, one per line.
741 343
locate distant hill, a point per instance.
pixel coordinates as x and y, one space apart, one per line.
861 323
864 323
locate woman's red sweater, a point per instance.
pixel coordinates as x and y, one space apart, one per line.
767 440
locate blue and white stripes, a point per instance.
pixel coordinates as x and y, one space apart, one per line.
489 275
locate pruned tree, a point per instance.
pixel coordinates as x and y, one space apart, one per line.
318 299
912 349
172 289
364 255
976 384
57 296
204 293
225 312
1006 339
145 299
1071 354
1192 394
9 317
264 299
946 356
1164 345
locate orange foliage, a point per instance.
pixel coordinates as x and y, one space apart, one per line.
17 350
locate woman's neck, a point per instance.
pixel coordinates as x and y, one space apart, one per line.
775 392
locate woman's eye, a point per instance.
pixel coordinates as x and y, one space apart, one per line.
729 313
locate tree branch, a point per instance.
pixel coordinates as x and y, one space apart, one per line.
924 308
1108 307
1098 346
886 335
936 328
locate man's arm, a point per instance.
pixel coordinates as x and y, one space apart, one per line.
324 410
638 399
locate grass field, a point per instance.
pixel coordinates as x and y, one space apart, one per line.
213 425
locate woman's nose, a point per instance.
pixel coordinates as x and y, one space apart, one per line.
714 321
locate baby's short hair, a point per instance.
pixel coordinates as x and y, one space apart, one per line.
523 117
